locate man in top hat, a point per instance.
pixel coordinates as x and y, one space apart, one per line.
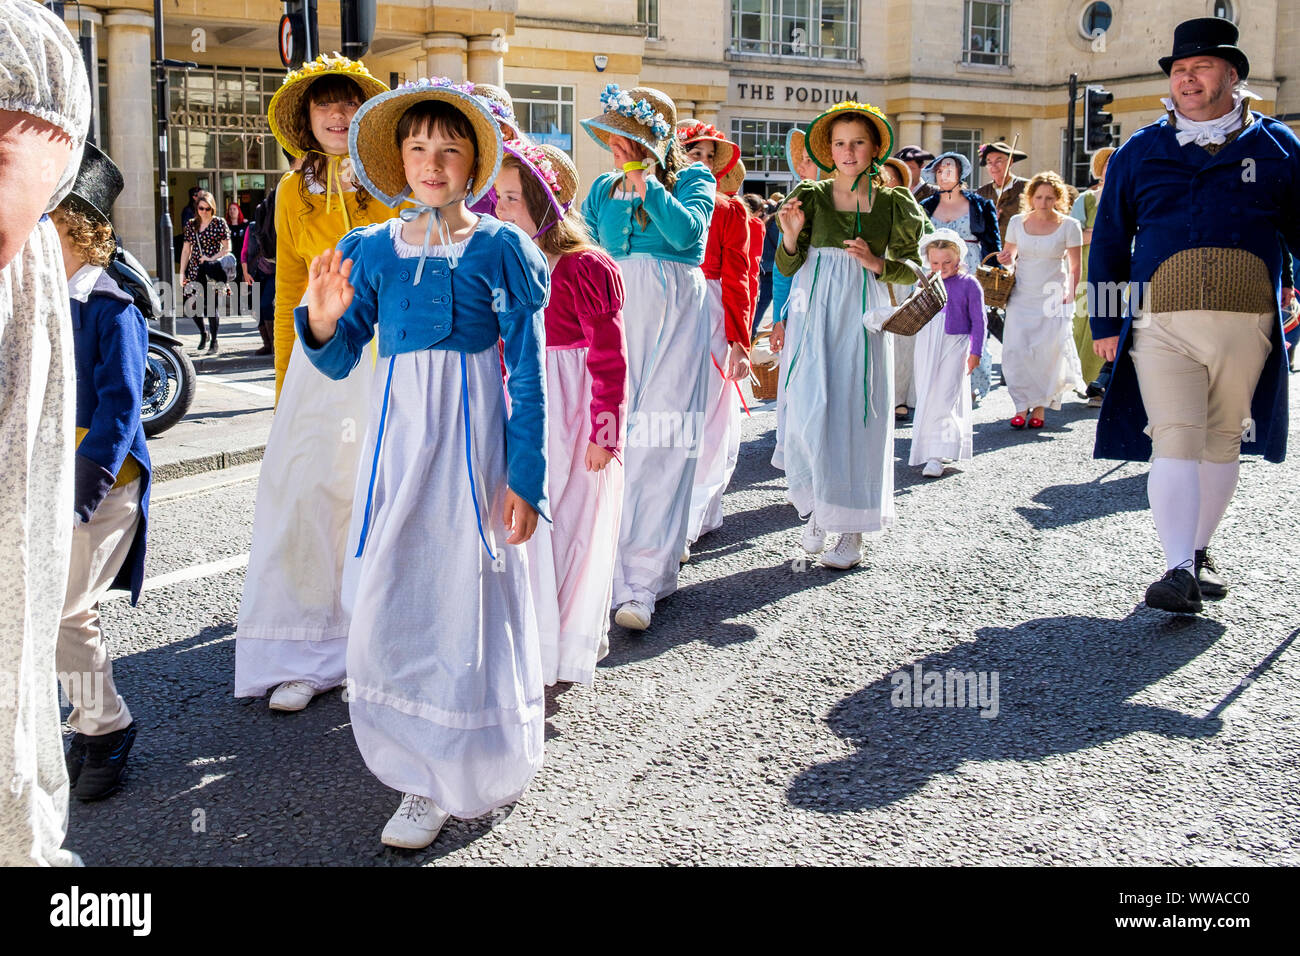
110 343
1200 372
1005 187
916 159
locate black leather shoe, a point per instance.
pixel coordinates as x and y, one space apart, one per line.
101 774
1177 592
1207 576
76 756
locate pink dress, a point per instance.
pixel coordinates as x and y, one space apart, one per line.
571 561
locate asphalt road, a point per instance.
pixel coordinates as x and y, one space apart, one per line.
757 721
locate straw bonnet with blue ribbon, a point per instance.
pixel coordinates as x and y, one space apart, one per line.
377 156
641 114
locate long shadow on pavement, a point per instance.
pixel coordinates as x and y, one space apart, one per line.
1064 685
216 781
1070 504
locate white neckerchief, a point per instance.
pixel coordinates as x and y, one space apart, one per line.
83 282
1211 132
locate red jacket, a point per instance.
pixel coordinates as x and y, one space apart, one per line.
727 257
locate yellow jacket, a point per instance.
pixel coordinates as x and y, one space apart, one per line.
304 229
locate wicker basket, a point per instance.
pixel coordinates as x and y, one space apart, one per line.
996 282
763 378
925 302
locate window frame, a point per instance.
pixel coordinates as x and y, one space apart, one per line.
772 17
647 15
953 143
768 162
520 97
1083 16
1002 58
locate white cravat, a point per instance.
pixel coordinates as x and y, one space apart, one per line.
1215 131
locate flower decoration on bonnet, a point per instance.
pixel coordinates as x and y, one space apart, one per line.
438 82
688 134
535 156
338 63
616 100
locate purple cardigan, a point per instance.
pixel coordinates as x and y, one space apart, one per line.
964 313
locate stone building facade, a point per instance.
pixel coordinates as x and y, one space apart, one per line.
950 73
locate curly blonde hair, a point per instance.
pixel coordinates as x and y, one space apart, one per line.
1049 178
92 240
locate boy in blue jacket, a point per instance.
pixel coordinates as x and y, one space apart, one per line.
111 498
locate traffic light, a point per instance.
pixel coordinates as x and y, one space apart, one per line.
1096 121
299 40
357 23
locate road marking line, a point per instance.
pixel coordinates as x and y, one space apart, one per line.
238 386
211 568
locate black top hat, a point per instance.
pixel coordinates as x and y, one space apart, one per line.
1207 36
96 187
914 154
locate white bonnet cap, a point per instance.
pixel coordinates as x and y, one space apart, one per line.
41 74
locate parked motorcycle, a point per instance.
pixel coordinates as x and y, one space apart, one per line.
169 377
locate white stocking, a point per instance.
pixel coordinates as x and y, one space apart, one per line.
1173 488
1218 482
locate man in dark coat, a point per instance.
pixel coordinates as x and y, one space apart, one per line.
1189 312
1005 188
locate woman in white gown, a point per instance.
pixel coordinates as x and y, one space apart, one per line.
1039 360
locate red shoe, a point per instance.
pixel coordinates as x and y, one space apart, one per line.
1018 421
1036 423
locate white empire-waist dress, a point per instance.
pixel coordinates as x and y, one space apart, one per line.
668 381
839 417
444 680
1039 360
569 559
720 442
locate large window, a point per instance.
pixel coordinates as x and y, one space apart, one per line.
966 142
762 146
545 113
986 36
647 15
817 29
218 118
1080 169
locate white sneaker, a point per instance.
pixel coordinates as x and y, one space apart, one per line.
847 552
813 538
633 615
686 554
933 468
292 695
415 824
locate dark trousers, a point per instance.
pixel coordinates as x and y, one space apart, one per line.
764 300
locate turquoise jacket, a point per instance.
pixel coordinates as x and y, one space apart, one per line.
498 290
679 220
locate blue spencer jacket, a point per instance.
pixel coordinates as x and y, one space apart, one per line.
498 290
983 220
110 342
679 220
1161 198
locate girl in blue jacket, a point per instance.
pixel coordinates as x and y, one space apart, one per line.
443 659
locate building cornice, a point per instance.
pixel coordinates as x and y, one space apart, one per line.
580 26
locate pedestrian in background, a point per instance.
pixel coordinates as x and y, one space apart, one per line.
1203 376
43 124
1085 211
259 269
1004 188
110 344
1039 361
766 262
916 159
207 243
953 206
